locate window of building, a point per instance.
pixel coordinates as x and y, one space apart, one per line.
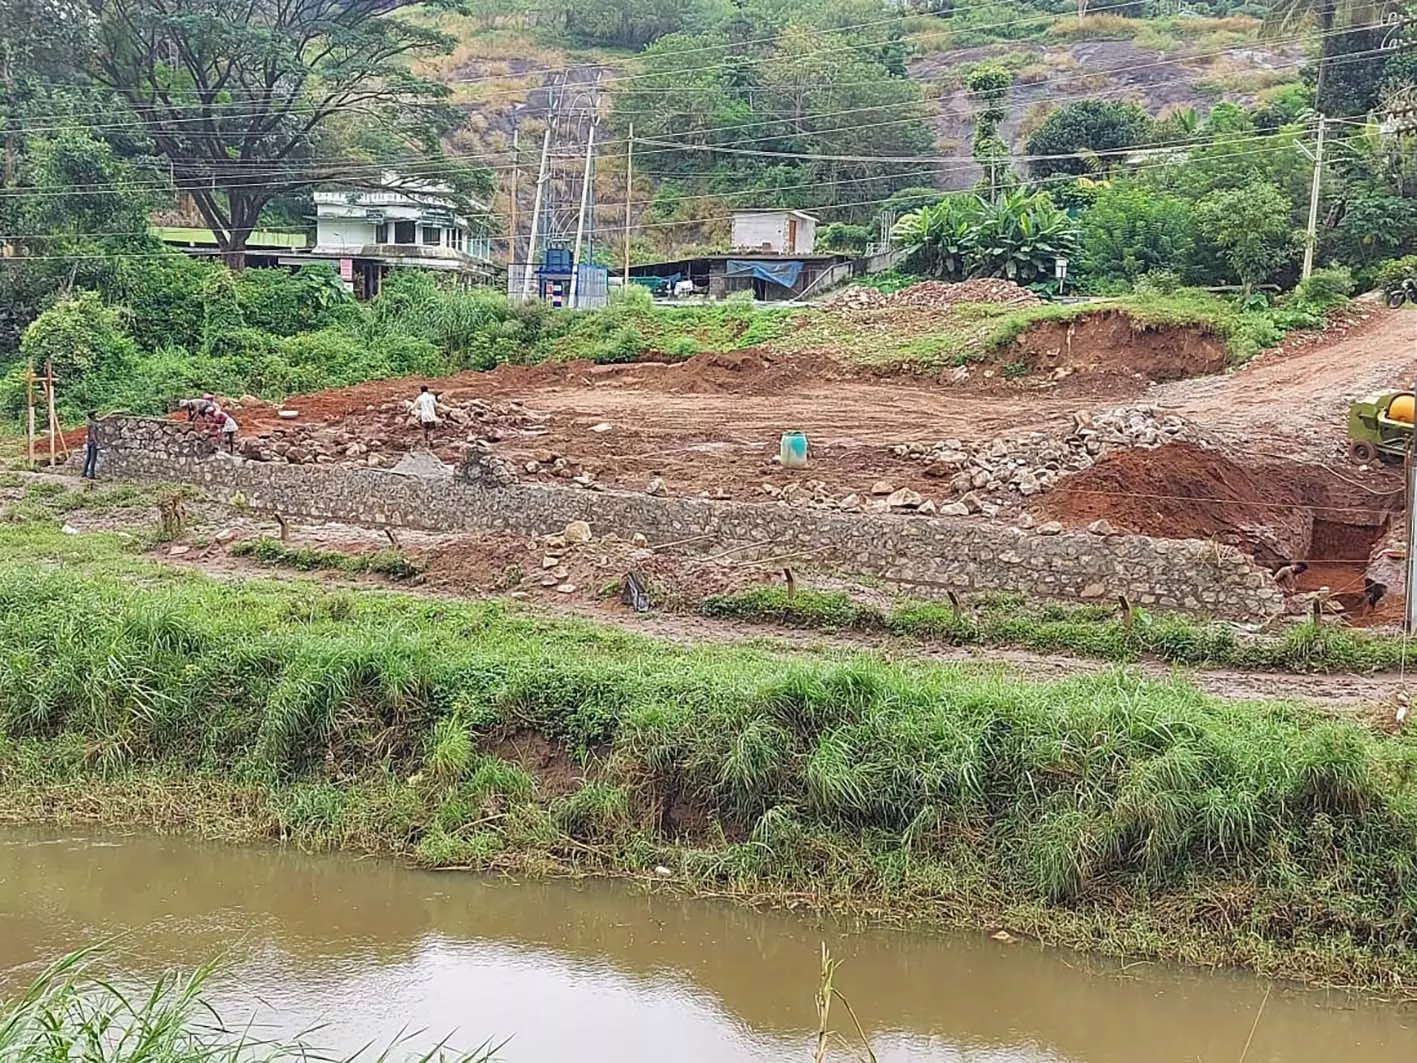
432 235
404 232
381 233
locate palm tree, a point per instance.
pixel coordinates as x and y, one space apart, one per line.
1288 16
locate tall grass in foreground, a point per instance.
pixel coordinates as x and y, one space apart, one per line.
72 1014
1141 815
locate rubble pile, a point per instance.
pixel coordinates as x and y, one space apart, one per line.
936 295
1030 463
381 433
980 478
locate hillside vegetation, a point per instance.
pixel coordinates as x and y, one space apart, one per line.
1074 153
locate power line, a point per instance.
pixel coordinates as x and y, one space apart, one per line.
615 228
923 167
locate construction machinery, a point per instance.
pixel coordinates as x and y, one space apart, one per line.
1380 426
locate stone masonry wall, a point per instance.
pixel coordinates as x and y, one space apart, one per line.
924 554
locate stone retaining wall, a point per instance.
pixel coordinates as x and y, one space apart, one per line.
925 554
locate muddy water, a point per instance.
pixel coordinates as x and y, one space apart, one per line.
603 972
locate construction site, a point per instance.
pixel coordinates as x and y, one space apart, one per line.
1097 438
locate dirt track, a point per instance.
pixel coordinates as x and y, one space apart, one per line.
1294 404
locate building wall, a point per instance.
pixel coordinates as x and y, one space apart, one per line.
922 555
335 233
751 231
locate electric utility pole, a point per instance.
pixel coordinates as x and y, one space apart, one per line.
629 195
1312 236
516 180
580 218
542 174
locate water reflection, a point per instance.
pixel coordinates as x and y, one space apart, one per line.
600 971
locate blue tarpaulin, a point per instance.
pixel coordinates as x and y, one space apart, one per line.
784 273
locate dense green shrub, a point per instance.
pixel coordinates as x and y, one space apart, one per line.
1325 288
1129 232
285 304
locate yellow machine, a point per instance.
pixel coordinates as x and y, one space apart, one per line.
1380 426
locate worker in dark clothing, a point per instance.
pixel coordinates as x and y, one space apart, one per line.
91 446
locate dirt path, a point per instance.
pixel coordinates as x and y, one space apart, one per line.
1295 404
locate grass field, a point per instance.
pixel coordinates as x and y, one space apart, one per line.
1103 812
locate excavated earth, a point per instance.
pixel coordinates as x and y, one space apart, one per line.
1169 445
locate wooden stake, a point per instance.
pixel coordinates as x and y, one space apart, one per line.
29 401
49 397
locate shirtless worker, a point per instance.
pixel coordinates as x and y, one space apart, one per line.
426 407
1288 576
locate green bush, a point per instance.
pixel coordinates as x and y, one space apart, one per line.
285 304
1325 289
626 345
80 337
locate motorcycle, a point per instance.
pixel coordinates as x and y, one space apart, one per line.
1398 296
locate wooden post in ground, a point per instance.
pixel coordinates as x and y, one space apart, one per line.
29 402
53 417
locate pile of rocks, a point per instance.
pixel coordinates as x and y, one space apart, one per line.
1033 462
375 438
980 290
982 478
936 295
329 445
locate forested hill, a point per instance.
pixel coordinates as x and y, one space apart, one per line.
771 79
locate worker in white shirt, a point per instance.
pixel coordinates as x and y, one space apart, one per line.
426 407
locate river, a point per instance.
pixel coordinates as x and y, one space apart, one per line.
603 971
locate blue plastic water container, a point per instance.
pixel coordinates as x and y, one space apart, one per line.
794 450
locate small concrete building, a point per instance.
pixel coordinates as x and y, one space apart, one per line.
777 232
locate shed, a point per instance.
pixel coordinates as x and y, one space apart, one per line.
777 232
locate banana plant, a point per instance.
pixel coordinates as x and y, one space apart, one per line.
1020 236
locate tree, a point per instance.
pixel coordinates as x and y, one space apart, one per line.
1250 229
79 337
76 209
1072 138
1129 231
1348 72
989 85
261 99
783 93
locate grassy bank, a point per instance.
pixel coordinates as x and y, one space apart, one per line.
985 332
1103 812
1097 631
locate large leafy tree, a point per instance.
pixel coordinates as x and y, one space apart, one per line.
260 99
1082 130
75 210
1250 229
